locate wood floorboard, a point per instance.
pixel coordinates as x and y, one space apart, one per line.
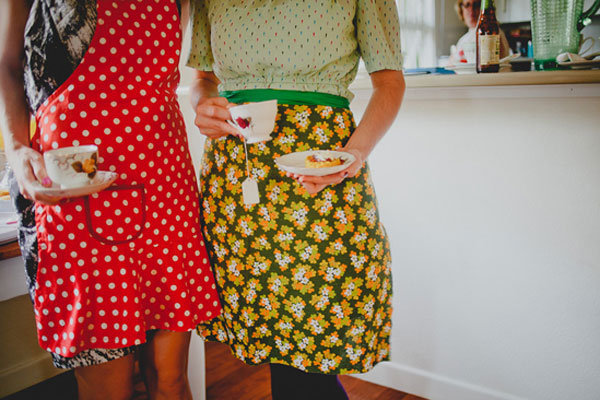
227 378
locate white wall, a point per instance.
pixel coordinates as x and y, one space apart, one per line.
493 210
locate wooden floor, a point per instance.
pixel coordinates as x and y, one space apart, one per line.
227 378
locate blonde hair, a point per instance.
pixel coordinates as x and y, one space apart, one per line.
459 10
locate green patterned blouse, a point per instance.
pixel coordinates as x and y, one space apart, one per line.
294 44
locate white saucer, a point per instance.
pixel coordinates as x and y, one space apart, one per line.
101 181
294 162
584 64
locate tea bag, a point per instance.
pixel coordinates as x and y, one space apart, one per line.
250 192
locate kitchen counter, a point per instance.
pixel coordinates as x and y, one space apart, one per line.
507 78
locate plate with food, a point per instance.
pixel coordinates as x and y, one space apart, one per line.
99 182
315 162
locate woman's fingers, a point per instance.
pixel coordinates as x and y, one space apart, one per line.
211 116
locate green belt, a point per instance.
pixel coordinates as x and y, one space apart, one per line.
286 97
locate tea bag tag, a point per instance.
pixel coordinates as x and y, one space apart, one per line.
250 191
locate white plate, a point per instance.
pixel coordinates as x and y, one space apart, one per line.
462 68
294 162
581 64
101 181
8 227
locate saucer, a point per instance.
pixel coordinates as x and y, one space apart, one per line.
101 181
295 162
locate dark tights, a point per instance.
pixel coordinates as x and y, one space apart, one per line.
288 383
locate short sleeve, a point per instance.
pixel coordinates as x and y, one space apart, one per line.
200 56
378 34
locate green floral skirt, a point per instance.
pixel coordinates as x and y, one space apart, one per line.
304 280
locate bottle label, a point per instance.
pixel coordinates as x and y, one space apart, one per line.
489 49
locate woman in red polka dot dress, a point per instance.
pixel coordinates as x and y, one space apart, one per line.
125 267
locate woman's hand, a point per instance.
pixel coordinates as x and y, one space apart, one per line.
314 184
212 114
30 170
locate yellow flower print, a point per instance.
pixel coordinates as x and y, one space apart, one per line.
320 230
321 300
372 279
237 246
324 111
342 125
295 305
354 353
369 214
258 264
296 214
316 324
220 159
220 229
232 297
366 307
261 243
357 331
327 361
278 284
352 194
359 238
262 331
351 288
331 340
235 149
259 170
276 192
285 237
321 133
215 186
234 179
340 314
300 361
246 226
259 352
283 345
358 260
250 290
331 269
283 259
307 253
269 216
326 201
299 116
286 140
285 326
336 247
228 205
208 209
304 343
345 219
301 278
269 306
234 271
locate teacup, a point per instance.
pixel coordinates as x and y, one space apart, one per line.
255 121
72 166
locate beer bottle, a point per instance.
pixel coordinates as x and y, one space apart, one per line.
488 39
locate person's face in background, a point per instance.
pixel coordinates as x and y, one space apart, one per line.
471 10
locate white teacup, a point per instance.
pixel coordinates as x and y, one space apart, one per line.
72 166
255 121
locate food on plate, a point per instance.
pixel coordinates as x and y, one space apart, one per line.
4 194
319 161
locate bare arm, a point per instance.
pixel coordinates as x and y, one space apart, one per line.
27 164
211 110
388 92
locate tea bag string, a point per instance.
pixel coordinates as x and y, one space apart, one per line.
247 160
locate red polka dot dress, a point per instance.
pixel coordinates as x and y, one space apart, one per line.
131 258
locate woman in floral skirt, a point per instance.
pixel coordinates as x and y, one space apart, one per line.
304 275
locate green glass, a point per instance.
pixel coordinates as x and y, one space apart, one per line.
555 27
